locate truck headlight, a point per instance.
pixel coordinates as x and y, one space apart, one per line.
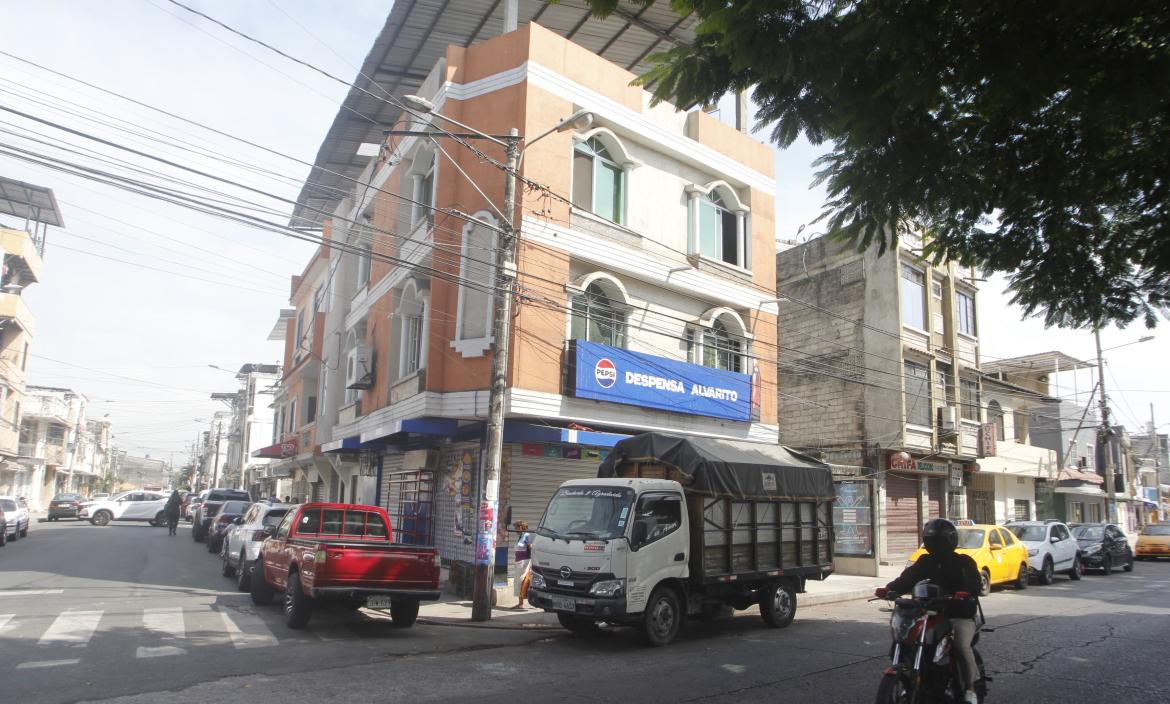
537 581
1033 552
608 587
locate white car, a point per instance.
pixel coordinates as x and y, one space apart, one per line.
242 543
16 517
1051 549
145 506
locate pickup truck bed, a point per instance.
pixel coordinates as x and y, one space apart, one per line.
344 553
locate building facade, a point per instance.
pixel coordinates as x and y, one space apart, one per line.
26 213
879 371
644 274
60 448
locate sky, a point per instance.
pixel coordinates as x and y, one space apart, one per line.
140 297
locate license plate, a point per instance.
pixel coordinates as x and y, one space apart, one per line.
562 604
378 602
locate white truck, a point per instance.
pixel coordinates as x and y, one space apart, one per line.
675 527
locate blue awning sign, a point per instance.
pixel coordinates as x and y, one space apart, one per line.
605 373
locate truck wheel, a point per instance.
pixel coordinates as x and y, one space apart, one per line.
576 624
403 612
778 605
298 606
262 591
663 617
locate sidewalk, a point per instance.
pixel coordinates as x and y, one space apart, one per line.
452 611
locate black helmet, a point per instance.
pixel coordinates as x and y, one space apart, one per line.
939 536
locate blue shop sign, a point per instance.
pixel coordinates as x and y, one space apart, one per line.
612 374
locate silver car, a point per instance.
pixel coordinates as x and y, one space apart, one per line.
242 542
16 516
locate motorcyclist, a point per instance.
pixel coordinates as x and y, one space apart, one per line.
956 575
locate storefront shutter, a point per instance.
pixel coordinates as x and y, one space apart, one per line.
534 479
934 498
902 522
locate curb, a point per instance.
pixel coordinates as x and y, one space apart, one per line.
460 623
818 600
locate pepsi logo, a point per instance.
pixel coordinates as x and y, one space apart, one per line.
605 373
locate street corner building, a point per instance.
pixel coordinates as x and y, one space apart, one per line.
881 376
644 271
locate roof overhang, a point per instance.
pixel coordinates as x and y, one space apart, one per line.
416 36
1042 363
280 329
24 200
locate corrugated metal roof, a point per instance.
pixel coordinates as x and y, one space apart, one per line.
24 200
416 36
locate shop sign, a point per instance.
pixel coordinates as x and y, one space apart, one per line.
925 467
288 448
988 435
605 373
902 462
853 519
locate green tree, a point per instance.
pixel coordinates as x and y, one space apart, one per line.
1030 137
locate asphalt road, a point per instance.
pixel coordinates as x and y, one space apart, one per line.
128 614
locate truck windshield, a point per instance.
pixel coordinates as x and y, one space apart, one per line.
587 513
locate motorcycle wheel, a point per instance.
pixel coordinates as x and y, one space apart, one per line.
892 690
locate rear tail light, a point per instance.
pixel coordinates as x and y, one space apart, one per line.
321 554
437 562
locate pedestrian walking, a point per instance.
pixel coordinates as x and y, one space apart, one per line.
172 512
523 564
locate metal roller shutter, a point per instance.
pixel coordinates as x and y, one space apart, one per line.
934 499
981 498
534 479
902 523
387 497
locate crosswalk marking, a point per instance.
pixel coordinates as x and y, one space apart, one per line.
158 651
167 623
4 619
28 592
46 663
256 634
72 627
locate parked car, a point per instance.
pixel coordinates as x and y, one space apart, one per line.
16 518
99 496
65 506
3 533
1154 541
1000 557
192 504
144 506
242 542
1051 549
225 518
1103 546
206 510
343 552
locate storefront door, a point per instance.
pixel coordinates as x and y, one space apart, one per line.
902 519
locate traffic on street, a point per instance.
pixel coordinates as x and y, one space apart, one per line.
126 613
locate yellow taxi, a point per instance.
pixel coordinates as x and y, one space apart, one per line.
1154 542
1000 557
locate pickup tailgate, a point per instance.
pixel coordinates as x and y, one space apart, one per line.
357 565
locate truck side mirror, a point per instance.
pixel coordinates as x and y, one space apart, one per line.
638 534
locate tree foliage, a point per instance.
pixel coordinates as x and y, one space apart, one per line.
1027 136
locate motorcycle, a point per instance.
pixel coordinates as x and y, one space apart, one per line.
924 668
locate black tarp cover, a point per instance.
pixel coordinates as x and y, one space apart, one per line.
731 468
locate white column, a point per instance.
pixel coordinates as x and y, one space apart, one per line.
693 221
425 332
511 15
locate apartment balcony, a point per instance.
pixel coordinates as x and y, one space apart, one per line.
49 408
1020 460
22 254
13 308
27 449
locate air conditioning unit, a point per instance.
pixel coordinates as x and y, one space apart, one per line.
948 420
359 371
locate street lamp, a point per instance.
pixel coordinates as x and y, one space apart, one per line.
489 484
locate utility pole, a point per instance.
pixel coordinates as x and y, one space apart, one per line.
1104 434
489 484
215 467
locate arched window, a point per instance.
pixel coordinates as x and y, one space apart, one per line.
598 318
719 225
598 181
995 415
722 349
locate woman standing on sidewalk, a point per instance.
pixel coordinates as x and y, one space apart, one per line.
523 563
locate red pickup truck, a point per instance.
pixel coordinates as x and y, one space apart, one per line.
343 553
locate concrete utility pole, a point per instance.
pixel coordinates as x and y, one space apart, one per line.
215 467
486 526
1103 435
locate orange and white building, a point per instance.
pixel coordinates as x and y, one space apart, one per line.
645 265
